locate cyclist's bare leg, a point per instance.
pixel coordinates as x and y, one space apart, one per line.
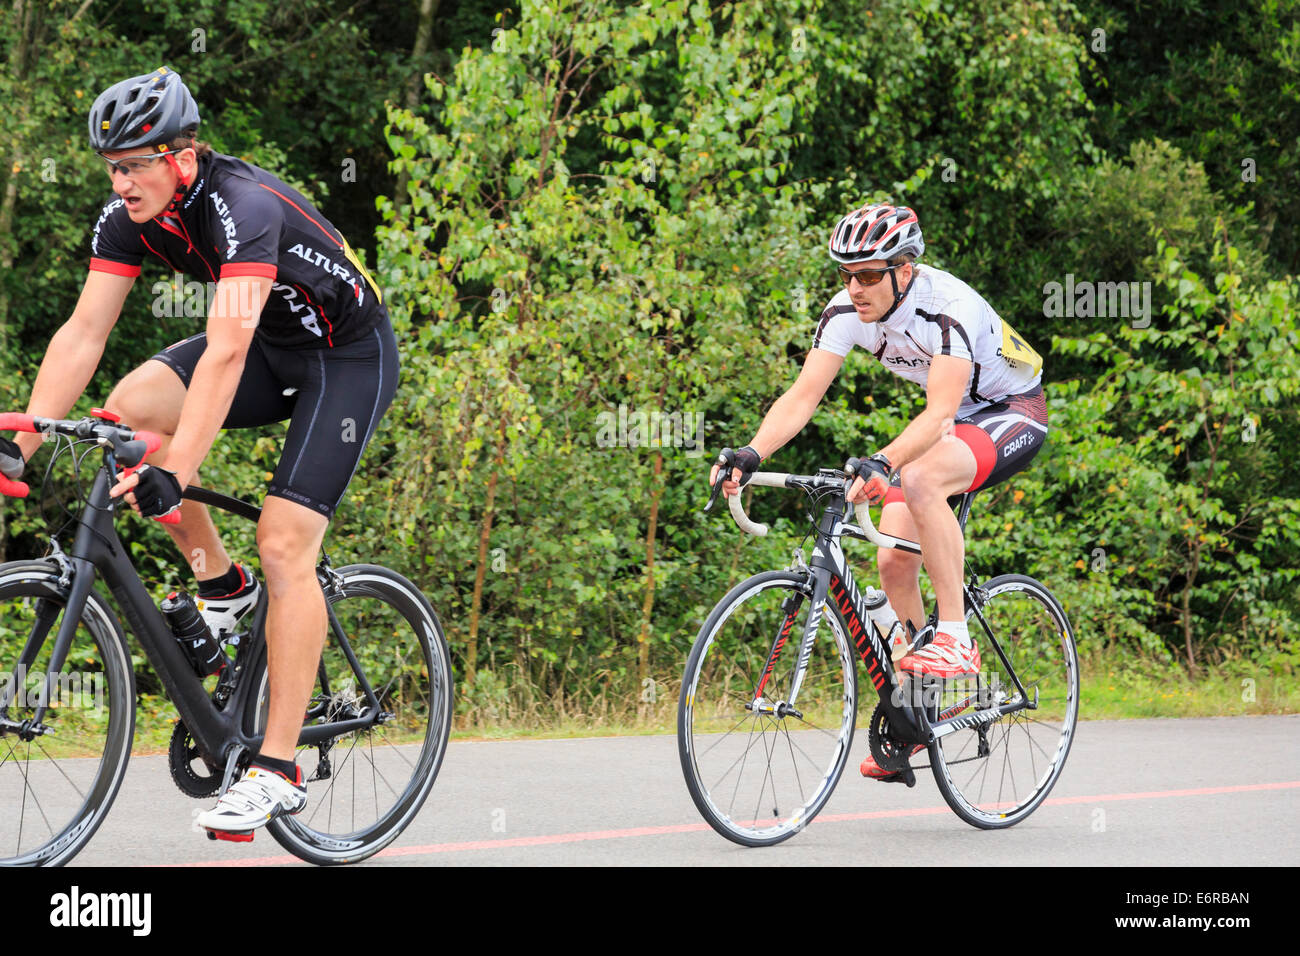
289 538
899 570
948 468
150 398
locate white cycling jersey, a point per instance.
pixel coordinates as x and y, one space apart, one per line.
940 316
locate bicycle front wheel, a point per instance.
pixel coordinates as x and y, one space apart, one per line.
994 774
56 786
365 786
759 766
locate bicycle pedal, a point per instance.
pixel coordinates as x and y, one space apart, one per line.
234 836
896 778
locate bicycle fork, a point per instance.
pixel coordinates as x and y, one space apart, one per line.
780 708
82 578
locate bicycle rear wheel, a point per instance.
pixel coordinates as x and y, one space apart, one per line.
757 774
995 774
365 786
56 787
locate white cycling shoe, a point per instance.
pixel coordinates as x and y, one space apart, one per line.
256 799
223 614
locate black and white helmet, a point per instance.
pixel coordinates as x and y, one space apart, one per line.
148 110
876 231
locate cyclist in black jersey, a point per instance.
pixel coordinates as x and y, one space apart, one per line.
296 329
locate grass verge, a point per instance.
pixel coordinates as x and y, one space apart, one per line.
1109 690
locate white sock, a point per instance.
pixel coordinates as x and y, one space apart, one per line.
955 629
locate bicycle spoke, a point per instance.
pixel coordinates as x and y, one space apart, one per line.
767 776
1008 770
794 764
740 776
36 802
57 766
727 733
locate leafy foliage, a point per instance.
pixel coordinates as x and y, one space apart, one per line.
600 230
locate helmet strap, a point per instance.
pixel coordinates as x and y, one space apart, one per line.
898 296
184 183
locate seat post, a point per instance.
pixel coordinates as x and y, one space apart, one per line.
963 508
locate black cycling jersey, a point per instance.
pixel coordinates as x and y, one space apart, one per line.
239 220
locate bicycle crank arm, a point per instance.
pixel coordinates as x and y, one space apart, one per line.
232 765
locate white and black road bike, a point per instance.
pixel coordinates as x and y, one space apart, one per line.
769 699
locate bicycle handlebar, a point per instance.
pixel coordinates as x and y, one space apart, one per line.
129 448
772 479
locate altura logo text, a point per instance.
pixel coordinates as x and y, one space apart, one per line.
227 223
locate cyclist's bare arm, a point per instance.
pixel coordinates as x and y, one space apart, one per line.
793 410
944 388
232 321
74 352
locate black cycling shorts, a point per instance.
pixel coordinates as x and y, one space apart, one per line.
1004 438
333 399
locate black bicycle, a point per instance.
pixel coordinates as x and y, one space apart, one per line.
373 737
768 705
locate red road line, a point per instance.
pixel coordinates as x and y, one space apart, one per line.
693 827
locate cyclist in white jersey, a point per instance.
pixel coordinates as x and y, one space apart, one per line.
985 416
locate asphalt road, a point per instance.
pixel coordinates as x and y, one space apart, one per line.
1212 791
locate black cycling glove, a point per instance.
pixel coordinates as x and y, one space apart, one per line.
747 460
874 472
12 462
159 493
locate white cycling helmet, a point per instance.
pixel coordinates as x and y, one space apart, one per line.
876 231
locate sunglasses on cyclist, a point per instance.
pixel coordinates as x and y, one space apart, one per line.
131 166
866 277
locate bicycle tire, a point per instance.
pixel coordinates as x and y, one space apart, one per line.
416 690
737 641
56 789
1026 749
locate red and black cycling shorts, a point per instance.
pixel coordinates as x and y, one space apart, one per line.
1004 438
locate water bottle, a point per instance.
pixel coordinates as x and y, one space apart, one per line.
192 633
885 620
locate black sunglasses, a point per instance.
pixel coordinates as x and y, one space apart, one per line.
866 277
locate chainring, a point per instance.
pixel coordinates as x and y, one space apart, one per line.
889 752
181 756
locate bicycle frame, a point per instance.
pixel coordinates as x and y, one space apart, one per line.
219 732
832 581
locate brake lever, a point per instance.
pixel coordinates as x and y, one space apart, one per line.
131 454
726 461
